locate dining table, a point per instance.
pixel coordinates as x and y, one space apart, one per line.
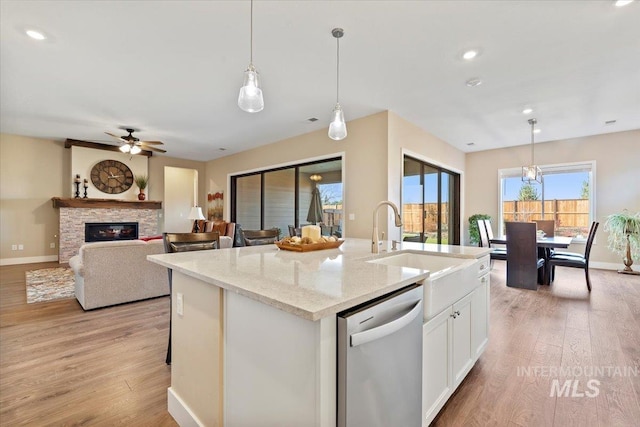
545 245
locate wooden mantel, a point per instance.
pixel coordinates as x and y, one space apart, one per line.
59 202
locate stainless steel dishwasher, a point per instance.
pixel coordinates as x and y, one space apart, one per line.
380 361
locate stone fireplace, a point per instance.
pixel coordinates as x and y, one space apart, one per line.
76 213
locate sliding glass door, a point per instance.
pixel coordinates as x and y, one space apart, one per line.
430 203
282 197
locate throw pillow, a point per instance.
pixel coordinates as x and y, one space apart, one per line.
220 227
192 246
146 239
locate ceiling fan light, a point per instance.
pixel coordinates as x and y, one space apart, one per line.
337 127
135 149
250 97
125 148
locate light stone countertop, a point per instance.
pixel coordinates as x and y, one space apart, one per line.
314 284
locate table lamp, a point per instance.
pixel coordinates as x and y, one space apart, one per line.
196 214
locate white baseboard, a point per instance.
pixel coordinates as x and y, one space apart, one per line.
180 412
28 260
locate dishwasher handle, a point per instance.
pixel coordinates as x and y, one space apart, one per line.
386 329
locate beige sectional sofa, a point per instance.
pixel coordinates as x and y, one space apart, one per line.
109 273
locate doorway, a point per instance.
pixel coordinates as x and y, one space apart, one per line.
180 195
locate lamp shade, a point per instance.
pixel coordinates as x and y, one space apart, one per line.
250 96
125 148
196 213
135 149
337 127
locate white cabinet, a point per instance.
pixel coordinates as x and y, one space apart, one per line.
461 339
451 344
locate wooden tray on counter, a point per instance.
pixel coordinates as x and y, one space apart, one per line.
309 246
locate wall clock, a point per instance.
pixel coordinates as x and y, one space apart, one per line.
111 176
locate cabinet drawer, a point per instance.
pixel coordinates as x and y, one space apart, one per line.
483 266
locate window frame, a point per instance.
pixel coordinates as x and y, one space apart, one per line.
583 166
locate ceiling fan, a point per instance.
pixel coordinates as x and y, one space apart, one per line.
133 145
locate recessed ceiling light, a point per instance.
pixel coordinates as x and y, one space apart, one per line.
470 54
537 131
470 144
610 122
222 149
312 119
620 3
473 82
36 35
527 110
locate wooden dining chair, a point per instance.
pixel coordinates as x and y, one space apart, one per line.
546 225
575 260
186 242
524 266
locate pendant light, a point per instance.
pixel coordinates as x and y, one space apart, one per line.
532 173
337 127
250 97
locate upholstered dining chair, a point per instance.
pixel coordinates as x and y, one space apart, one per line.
185 242
524 266
575 260
497 253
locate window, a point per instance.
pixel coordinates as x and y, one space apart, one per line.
281 197
430 203
566 196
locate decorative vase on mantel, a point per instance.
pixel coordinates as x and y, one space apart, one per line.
141 181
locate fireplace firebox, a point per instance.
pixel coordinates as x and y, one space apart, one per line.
108 231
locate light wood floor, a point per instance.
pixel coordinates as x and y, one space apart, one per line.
60 365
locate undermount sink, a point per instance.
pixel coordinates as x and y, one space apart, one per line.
449 278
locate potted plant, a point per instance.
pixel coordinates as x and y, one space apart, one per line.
141 181
474 233
624 237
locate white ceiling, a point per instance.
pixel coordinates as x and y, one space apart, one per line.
173 69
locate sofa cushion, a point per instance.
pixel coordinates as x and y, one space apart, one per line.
192 246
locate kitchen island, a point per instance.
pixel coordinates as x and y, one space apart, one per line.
254 328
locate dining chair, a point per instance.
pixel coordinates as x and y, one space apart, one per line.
186 242
575 260
546 225
524 266
496 253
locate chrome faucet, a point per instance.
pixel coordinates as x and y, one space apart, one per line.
375 241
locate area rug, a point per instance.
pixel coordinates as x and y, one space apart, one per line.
50 284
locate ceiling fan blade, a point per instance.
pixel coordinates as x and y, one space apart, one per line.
152 142
117 137
159 150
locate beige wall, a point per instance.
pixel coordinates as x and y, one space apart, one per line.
364 166
617 157
32 171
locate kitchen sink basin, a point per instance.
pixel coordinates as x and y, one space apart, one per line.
449 278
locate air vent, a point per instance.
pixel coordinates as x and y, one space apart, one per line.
312 119
610 122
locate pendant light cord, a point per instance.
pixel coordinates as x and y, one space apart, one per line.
532 122
251 37
338 72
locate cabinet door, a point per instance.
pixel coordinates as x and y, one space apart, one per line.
436 365
480 317
461 338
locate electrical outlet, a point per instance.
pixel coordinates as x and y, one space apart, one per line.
14 247
21 247
179 304
52 245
